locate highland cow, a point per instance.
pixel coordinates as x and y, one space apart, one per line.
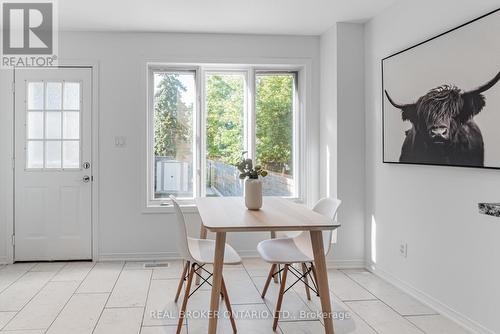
443 128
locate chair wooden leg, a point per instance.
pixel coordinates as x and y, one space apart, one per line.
181 282
228 305
182 313
268 281
280 297
304 271
315 276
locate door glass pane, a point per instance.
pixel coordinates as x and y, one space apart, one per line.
72 96
35 125
71 154
71 125
225 105
274 131
34 154
53 154
52 135
174 105
54 96
35 95
53 125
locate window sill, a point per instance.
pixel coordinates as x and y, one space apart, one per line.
189 207
168 209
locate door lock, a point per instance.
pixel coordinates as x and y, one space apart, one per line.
86 165
86 179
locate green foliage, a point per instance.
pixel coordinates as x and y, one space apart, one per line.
274 118
225 105
247 170
172 126
225 101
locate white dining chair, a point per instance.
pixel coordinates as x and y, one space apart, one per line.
296 250
197 253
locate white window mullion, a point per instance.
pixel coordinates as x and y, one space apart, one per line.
250 116
202 133
150 135
298 171
197 133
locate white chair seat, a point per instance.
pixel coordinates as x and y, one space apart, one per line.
203 251
285 251
296 249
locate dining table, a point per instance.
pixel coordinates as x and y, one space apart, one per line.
222 215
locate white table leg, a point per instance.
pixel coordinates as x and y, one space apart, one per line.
220 244
322 279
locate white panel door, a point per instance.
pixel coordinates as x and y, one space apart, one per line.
53 167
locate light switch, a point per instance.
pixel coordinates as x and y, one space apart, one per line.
120 141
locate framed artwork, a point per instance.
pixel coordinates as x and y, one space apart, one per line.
441 98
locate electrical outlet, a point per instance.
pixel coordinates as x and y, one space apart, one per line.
403 249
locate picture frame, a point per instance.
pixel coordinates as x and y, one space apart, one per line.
441 99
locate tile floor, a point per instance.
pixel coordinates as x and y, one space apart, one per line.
123 298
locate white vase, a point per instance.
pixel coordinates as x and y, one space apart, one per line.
253 194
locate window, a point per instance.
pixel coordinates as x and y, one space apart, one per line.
204 118
225 138
53 125
274 127
174 104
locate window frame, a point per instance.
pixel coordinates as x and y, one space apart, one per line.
151 200
199 123
44 140
203 135
297 133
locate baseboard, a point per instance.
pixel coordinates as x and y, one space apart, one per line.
430 301
163 256
345 264
248 254
138 256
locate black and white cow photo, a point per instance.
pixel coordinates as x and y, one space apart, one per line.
443 128
441 100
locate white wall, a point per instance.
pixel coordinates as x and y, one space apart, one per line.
452 250
342 135
351 139
6 201
328 116
125 231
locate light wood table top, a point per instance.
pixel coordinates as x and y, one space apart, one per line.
229 214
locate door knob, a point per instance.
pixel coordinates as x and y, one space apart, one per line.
86 179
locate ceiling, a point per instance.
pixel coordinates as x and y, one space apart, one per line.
288 17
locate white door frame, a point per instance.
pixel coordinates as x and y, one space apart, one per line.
95 103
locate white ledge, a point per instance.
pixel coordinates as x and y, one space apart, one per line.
168 209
